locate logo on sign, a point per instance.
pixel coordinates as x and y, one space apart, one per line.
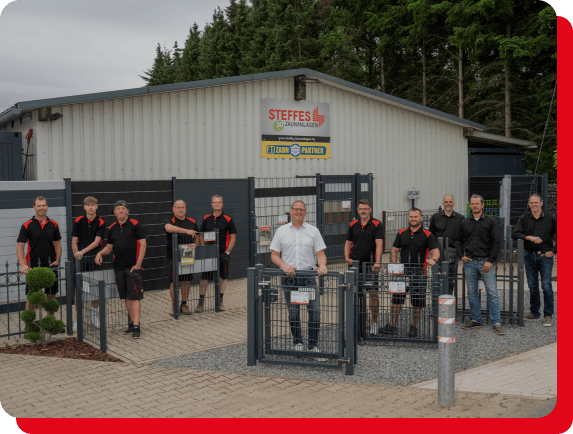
317 118
278 125
295 150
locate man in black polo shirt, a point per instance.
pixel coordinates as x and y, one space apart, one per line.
88 231
413 243
227 238
365 243
478 244
44 246
126 238
187 229
445 224
538 230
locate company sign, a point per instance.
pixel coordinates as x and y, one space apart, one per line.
295 129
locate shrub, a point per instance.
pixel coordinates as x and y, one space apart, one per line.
36 298
31 327
33 337
58 327
28 316
40 277
47 323
52 306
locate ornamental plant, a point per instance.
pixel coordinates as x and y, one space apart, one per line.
38 327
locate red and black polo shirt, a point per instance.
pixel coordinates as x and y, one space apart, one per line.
364 238
125 239
187 223
226 227
87 230
414 246
40 238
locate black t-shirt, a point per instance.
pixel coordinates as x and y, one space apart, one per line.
125 239
86 231
364 239
226 227
414 246
40 238
186 223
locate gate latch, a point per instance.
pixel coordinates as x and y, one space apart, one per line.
263 283
344 360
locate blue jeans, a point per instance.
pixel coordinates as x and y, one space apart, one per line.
473 271
536 265
313 308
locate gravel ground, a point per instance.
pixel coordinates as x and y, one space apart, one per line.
384 364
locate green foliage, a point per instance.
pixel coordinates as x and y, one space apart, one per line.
28 316
59 326
31 327
33 337
36 298
47 323
40 277
52 306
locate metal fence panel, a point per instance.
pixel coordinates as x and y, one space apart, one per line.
395 221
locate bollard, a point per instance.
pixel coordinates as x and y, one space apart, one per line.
446 350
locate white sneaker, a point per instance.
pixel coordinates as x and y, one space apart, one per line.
374 329
318 359
299 347
75 327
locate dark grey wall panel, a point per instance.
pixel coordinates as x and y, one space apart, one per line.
11 166
14 199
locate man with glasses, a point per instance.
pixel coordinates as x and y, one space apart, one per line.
365 243
478 244
445 224
227 239
537 230
293 248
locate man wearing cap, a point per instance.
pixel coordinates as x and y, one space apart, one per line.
186 229
44 246
126 238
537 230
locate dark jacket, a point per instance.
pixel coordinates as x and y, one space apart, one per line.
544 227
479 238
446 227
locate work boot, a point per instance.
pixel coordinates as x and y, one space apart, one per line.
200 306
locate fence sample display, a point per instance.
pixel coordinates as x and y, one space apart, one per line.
13 298
91 320
300 320
195 272
397 220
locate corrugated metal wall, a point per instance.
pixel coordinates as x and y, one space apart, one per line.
214 132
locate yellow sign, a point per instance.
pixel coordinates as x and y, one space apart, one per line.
296 150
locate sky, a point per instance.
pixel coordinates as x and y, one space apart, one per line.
53 48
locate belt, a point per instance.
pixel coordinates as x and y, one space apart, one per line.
537 253
478 258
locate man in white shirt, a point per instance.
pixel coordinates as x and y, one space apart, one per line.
293 248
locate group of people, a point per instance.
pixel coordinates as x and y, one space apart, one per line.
475 240
126 238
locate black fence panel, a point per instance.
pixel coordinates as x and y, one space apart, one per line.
486 186
149 203
395 221
238 201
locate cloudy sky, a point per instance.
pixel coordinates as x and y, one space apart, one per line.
56 48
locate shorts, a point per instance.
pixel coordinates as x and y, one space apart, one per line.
129 285
417 284
371 278
54 288
182 277
224 260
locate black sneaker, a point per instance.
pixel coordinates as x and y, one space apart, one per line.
136 332
471 324
388 329
413 332
129 329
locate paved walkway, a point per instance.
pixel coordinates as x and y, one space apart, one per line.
532 374
78 388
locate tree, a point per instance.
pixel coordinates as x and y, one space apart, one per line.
37 279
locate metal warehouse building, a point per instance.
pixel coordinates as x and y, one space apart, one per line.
212 129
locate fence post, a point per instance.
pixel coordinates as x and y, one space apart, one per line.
360 331
176 262
251 317
102 324
69 217
350 288
446 350
520 284
259 311
79 302
252 223
319 204
217 274
69 299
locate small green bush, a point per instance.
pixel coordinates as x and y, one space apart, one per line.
31 327
40 277
33 336
37 298
59 327
51 306
47 323
28 315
